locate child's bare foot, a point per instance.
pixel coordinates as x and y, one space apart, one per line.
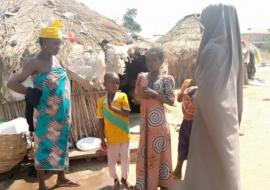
125 183
178 172
42 187
116 185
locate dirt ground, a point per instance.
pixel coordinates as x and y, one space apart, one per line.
255 154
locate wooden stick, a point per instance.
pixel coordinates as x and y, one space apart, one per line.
74 122
83 115
88 110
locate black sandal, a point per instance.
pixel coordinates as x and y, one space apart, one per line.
116 185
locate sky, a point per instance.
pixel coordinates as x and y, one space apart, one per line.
159 16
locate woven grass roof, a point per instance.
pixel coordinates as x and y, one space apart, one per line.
20 21
184 35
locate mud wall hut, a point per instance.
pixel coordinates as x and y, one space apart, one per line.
20 22
181 44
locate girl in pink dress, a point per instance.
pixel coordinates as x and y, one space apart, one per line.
153 90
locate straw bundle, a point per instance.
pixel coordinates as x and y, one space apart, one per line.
180 63
12 110
84 122
13 148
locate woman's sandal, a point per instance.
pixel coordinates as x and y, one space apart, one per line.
67 183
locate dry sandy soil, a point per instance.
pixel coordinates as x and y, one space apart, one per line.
255 154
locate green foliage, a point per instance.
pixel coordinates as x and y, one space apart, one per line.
129 21
2 120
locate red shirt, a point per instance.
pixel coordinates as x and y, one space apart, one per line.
188 106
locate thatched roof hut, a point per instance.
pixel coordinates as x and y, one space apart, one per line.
19 25
21 20
182 43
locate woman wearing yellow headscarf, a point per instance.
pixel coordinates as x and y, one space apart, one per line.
51 99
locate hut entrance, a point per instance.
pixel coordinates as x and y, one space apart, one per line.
135 64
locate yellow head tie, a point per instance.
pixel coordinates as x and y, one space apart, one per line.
53 31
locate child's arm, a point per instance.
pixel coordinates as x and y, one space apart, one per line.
191 90
125 108
101 132
101 122
180 96
120 112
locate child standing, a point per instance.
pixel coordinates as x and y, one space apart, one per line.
154 90
188 109
112 111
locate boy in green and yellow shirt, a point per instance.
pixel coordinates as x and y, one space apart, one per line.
112 111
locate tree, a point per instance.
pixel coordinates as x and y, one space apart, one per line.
129 20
